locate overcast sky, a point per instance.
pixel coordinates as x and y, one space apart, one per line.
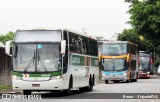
98 17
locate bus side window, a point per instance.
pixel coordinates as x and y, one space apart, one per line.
92 46
80 49
65 58
71 42
96 48
84 45
81 45
89 46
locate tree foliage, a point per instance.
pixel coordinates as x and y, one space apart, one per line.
145 19
130 35
6 37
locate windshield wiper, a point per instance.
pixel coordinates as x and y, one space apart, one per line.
27 67
39 60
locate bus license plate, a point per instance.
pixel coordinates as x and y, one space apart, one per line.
35 85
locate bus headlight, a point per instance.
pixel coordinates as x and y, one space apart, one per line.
125 74
103 74
16 77
55 77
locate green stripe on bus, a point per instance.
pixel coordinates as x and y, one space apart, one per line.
56 73
38 75
17 74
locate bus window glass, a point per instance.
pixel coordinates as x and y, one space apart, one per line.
114 64
41 36
144 63
48 58
44 56
114 49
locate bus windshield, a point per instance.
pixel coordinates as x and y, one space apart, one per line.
114 64
144 63
36 57
114 49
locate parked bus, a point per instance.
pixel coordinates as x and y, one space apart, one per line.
145 65
119 61
59 59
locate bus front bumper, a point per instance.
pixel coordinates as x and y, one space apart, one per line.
57 84
144 75
114 77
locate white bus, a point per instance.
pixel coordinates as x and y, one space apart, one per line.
53 60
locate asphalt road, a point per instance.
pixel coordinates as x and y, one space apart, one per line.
111 92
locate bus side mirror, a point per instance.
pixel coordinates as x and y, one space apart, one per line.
8 48
63 46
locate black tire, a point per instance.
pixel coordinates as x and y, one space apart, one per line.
127 81
106 81
93 80
132 80
135 80
82 89
27 92
90 87
67 92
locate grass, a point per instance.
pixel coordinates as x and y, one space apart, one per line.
5 88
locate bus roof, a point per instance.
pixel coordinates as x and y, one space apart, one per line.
72 31
125 42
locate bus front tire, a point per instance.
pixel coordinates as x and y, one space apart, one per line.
127 81
106 81
67 92
135 80
27 92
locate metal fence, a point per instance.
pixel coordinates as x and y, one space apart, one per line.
5 68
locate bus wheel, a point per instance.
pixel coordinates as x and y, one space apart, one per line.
106 81
127 81
135 80
26 92
132 80
90 87
67 92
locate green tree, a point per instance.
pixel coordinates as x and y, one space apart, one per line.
145 19
6 37
130 35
